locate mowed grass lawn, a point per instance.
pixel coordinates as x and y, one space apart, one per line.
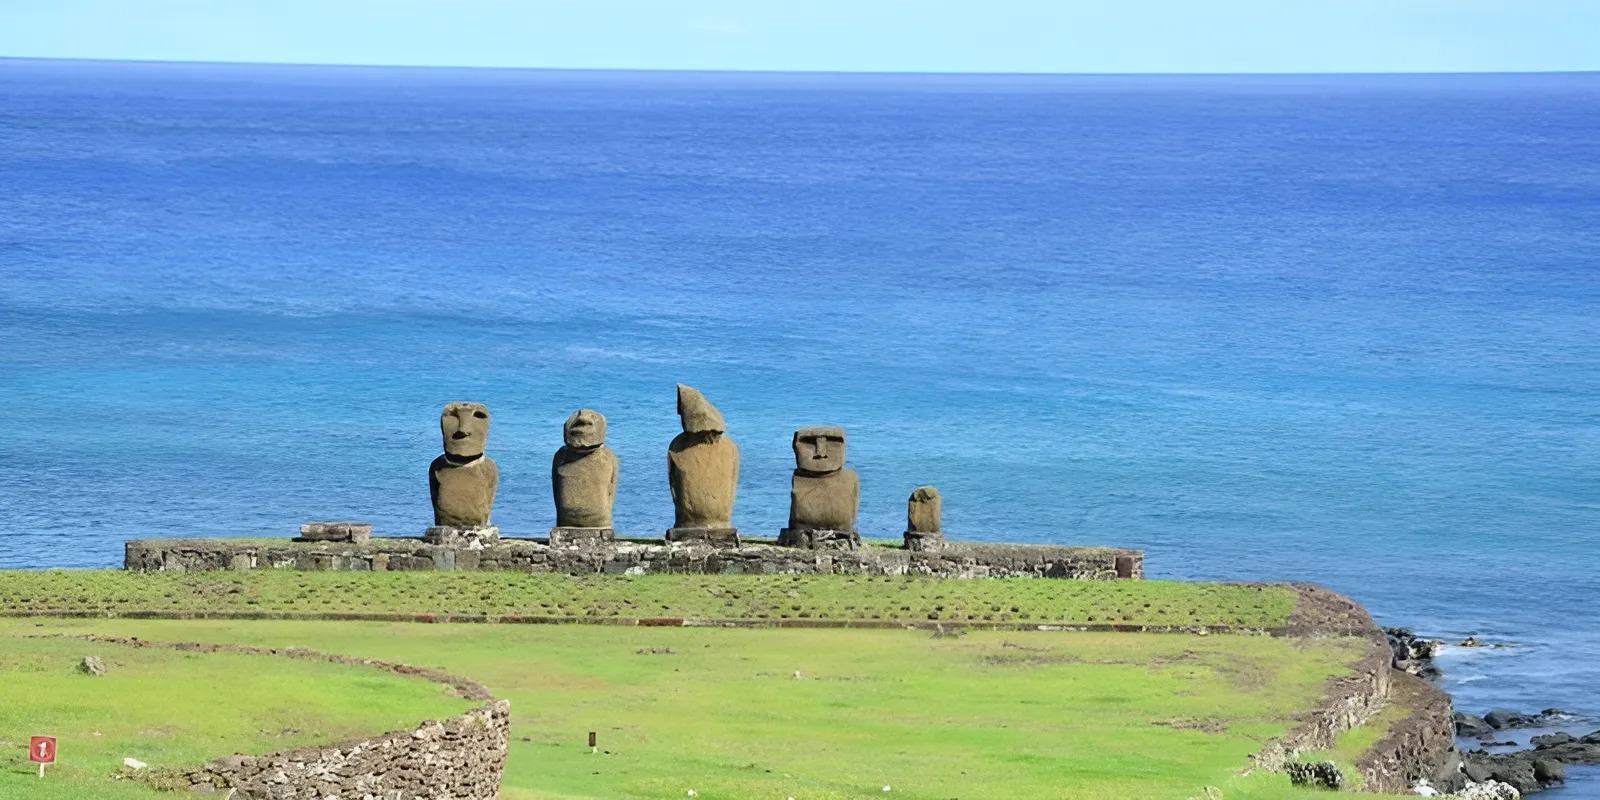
755 713
173 709
776 598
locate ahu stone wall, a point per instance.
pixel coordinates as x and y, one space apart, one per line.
953 560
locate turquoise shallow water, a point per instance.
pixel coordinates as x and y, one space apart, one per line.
1341 329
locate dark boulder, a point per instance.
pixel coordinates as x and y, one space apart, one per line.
1477 771
1501 719
1551 740
1547 772
1518 773
1471 725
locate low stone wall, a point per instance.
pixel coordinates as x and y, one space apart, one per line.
1423 745
1349 700
955 560
462 758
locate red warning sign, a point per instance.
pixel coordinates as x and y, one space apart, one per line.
42 749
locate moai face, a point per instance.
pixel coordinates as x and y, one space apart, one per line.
585 430
819 449
466 429
697 413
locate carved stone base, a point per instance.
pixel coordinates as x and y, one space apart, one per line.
924 540
335 532
819 540
471 538
716 537
561 536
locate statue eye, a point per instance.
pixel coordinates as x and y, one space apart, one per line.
480 415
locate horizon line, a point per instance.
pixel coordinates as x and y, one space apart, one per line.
670 70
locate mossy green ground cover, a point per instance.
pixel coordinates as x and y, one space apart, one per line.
174 709
731 597
825 713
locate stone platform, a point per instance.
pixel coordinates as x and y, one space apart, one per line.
953 560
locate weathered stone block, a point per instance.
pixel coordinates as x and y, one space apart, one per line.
335 532
921 541
449 536
566 536
716 537
819 539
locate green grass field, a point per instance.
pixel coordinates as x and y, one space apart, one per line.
776 598
733 713
174 709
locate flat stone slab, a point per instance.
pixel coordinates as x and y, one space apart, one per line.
918 541
561 536
336 532
461 537
716 537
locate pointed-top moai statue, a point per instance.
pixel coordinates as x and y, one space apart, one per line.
924 529
824 495
584 479
463 480
703 470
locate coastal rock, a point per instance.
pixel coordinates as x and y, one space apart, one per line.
1532 770
1501 719
584 473
702 466
1412 653
1551 740
1476 771
1548 772
1518 773
1489 789
462 482
1472 725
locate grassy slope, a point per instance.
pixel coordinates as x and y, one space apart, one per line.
178 709
988 714
762 597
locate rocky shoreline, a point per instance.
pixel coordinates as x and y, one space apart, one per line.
1490 774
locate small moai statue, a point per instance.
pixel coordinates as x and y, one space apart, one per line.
584 479
923 527
823 495
462 481
703 471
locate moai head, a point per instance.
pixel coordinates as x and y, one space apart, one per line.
923 510
466 429
585 430
819 449
697 413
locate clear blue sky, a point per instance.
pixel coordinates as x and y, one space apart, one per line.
834 35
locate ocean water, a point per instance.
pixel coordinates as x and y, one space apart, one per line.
1341 329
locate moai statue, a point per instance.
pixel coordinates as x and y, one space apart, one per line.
824 495
703 470
463 480
923 509
584 478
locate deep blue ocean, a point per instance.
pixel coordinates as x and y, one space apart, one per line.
1339 329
